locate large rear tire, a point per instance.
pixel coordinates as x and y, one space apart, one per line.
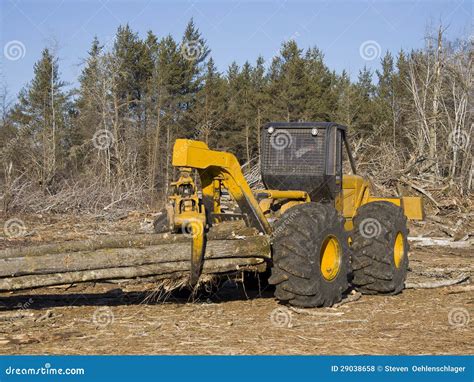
311 256
380 248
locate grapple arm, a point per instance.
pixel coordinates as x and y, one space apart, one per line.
215 169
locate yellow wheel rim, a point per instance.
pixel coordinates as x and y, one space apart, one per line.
330 258
398 250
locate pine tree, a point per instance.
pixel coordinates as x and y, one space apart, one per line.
364 94
385 102
289 83
347 109
233 135
194 51
134 66
43 107
261 99
88 102
320 98
167 88
402 93
210 108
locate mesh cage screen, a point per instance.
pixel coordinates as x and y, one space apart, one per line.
293 151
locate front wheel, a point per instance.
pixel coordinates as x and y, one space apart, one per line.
311 259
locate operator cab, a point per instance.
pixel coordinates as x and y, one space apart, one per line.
304 156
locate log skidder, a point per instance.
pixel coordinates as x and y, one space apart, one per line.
309 210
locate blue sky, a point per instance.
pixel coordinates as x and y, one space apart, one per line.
235 30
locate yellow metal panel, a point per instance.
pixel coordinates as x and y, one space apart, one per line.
412 205
354 193
413 208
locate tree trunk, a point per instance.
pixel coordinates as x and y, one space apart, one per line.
127 257
168 270
229 247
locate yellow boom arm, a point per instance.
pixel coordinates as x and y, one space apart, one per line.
218 168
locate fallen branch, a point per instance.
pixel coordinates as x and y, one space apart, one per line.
353 296
15 315
315 312
437 284
440 242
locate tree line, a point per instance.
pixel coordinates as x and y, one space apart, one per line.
111 138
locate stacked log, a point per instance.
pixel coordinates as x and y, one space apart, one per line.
130 256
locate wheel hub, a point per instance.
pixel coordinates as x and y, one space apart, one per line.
330 258
398 250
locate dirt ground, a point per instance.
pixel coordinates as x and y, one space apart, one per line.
110 318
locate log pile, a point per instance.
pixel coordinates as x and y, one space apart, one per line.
230 248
